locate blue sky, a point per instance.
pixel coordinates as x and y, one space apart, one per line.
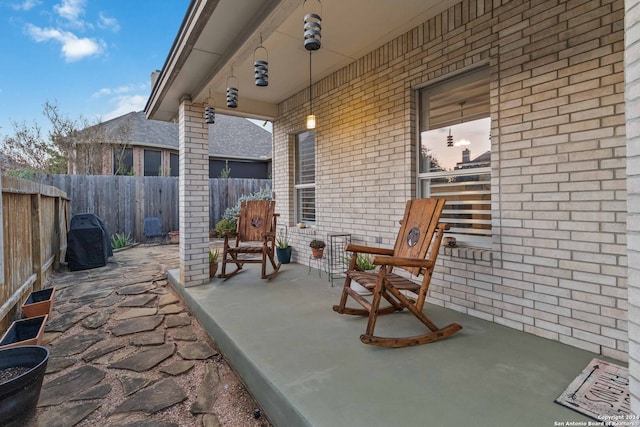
93 58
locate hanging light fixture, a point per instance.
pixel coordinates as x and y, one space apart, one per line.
232 91
312 10
261 64
450 137
209 110
311 118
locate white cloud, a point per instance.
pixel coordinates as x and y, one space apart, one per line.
73 48
70 9
105 22
25 5
126 104
106 91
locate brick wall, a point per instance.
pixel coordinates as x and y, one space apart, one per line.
557 267
193 187
632 77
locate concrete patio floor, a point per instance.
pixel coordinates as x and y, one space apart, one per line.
306 366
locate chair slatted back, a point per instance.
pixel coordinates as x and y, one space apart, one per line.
256 218
421 217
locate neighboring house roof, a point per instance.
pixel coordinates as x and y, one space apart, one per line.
230 137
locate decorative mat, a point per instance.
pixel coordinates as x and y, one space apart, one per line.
601 392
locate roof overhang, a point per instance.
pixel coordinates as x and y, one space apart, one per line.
218 38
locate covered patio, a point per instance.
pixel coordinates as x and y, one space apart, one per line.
306 366
546 214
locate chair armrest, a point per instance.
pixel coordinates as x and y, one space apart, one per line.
402 262
268 235
368 250
228 234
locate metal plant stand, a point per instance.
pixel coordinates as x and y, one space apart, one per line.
337 254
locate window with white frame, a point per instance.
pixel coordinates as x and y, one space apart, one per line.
455 153
305 177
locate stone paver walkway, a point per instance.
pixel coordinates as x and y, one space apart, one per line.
125 351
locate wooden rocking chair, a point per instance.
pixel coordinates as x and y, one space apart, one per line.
420 235
255 235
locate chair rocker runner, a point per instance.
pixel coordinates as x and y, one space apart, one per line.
255 235
415 251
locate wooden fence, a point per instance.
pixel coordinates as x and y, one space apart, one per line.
124 201
34 232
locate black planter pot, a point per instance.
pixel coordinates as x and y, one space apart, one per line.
19 395
284 254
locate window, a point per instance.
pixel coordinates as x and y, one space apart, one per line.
152 163
174 164
122 161
305 178
455 153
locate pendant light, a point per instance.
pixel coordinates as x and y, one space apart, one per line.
312 10
209 110
311 118
232 91
261 65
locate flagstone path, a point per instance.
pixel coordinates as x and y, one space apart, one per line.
126 351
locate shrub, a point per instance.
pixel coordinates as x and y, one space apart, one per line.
231 214
225 225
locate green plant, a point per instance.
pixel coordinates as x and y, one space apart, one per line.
363 261
317 244
226 225
213 255
282 239
120 240
226 172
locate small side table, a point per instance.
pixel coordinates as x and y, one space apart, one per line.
319 262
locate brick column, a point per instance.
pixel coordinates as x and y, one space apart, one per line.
194 195
632 112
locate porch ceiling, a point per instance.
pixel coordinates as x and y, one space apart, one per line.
217 35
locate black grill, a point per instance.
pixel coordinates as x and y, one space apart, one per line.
88 244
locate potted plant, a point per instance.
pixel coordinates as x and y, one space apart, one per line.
213 262
364 263
317 247
283 250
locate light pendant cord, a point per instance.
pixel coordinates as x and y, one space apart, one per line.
310 90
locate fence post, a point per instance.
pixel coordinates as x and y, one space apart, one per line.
36 240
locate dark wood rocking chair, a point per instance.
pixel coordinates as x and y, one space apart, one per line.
415 251
255 235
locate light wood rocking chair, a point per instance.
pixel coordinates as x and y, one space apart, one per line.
255 235
420 236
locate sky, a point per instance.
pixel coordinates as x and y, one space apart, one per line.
93 58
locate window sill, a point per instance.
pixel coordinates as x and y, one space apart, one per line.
306 231
478 254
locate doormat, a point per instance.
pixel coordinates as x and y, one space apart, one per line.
601 392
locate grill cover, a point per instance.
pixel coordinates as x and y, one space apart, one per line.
88 244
